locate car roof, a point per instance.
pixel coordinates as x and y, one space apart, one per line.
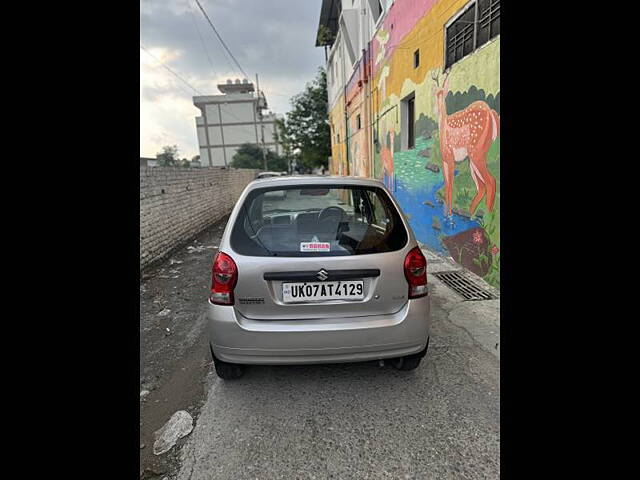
316 180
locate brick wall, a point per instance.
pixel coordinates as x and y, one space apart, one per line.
178 203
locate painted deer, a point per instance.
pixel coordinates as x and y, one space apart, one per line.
386 156
467 133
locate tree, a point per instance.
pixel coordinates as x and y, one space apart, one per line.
282 137
168 157
305 132
249 155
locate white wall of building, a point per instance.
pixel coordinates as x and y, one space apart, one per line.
238 112
240 124
269 130
202 138
359 20
236 134
204 157
335 71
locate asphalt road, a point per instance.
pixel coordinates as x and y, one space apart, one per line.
360 420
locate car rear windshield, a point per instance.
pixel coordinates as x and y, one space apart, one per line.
318 220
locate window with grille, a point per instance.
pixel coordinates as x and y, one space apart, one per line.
474 27
488 20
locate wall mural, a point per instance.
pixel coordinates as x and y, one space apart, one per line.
448 185
452 201
386 157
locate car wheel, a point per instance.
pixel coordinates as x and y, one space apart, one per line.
410 362
226 370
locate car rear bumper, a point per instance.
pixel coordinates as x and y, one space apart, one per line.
237 339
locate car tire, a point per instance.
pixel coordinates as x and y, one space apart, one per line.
226 370
410 362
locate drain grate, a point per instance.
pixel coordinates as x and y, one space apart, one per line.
463 285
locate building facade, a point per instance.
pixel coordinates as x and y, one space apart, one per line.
229 120
414 98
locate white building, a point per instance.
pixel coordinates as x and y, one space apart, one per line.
231 119
353 24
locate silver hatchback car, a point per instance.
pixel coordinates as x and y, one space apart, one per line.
330 272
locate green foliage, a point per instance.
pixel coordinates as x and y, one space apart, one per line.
482 259
493 275
491 225
305 133
463 196
168 157
283 137
436 156
249 155
397 143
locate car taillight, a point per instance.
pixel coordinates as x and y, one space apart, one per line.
415 270
224 276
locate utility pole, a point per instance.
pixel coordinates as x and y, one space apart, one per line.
264 155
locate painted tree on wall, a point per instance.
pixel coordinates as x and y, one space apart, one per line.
459 100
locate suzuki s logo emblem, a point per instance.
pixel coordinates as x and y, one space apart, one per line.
322 274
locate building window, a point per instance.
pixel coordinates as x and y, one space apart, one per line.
411 112
416 58
358 122
407 121
488 21
474 27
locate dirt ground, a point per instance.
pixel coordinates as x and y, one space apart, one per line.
175 363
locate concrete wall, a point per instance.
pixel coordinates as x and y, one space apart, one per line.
178 203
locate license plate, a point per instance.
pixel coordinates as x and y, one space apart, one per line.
297 292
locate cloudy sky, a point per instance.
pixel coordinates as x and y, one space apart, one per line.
274 38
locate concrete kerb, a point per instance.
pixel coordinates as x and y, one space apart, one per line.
439 263
480 319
